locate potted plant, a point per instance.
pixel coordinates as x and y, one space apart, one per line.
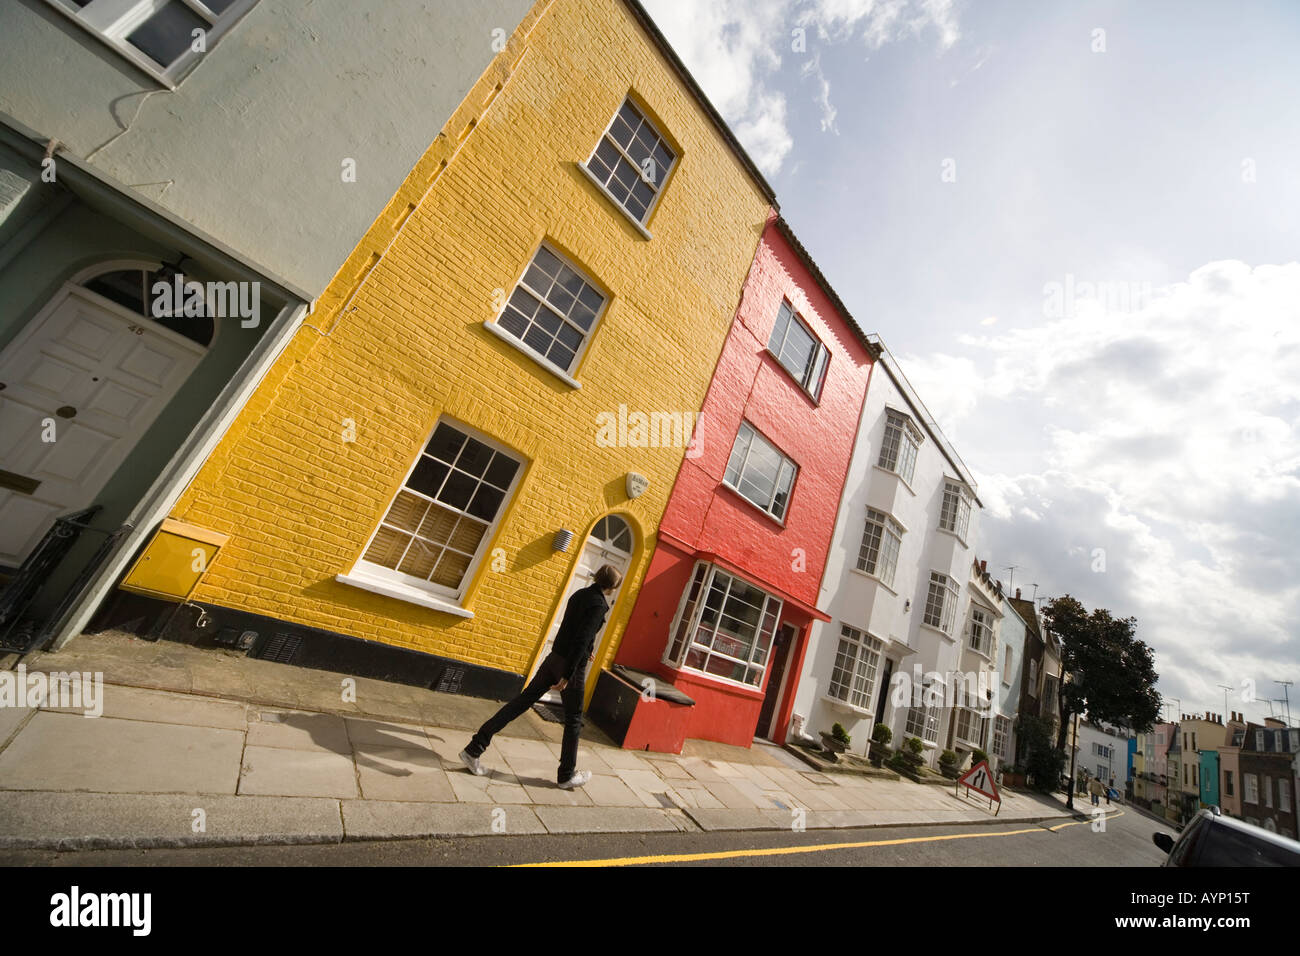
907 760
948 765
881 735
978 755
837 741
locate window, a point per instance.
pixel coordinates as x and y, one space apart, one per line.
1033 678
725 627
158 36
438 524
799 351
941 602
1252 788
552 310
881 541
898 450
134 289
1227 782
1008 661
1001 734
1101 771
1284 795
631 162
979 630
923 722
1268 792
1259 740
955 513
760 473
1194 747
854 675
971 727
1196 775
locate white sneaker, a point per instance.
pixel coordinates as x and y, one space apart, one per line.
472 763
579 779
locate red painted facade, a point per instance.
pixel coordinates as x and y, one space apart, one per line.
706 520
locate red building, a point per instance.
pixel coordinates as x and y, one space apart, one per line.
724 612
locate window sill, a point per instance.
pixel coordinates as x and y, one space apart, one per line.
766 514
403 593
938 630
867 574
541 360
645 233
901 480
838 704
954 534
750 689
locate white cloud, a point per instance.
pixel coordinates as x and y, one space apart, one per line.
736 50
1168 436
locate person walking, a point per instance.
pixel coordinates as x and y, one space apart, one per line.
564 669
1094 788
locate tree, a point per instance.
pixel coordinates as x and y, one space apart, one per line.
1109 675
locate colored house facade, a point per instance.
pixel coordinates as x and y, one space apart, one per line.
1011 672
1209 778
1268 757
239 164
1230 765
732 589
497 388
896 585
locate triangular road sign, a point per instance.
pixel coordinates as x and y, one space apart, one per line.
980 779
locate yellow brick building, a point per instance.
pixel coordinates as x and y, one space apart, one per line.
317 481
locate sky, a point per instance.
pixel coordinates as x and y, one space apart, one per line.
1075 225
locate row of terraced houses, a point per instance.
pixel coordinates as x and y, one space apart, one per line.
477 298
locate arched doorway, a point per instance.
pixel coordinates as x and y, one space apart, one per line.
611 541
79 386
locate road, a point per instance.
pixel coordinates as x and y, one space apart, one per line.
1125 841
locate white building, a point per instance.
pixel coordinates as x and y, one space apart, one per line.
897 579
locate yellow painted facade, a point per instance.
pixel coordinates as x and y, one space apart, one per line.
398 341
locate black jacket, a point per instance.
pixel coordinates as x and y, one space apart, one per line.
584 616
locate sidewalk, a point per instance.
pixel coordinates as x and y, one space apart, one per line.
202 747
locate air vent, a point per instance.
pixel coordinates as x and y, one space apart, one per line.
282 648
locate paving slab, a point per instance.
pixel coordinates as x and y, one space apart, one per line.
293 730
608 790
109 755
288 772
137 703
91 821
392 820
402 773
489 789
11 718
741 819
381 733
734 799
610 820
624 759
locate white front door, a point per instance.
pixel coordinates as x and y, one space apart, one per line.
610 542
101 374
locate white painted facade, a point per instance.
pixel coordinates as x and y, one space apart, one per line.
891 616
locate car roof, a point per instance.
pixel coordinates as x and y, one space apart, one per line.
1252 830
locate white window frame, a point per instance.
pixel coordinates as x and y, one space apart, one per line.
858 656
1268 792
970 721
494 325
954 515
1250 788
948 596
1008 665
112 21
979 632
813 376
658 187
881 529
363 570
1001 736
786 462
1284 794
759 655
900 445
927 718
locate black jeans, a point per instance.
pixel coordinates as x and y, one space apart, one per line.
548 675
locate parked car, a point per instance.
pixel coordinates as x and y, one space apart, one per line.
1212 839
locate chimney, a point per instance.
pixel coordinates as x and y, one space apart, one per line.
1017 594
984 567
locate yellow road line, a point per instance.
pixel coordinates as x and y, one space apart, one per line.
1062 826
772 851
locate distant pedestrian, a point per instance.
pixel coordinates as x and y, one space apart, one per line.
1095 788
563 669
